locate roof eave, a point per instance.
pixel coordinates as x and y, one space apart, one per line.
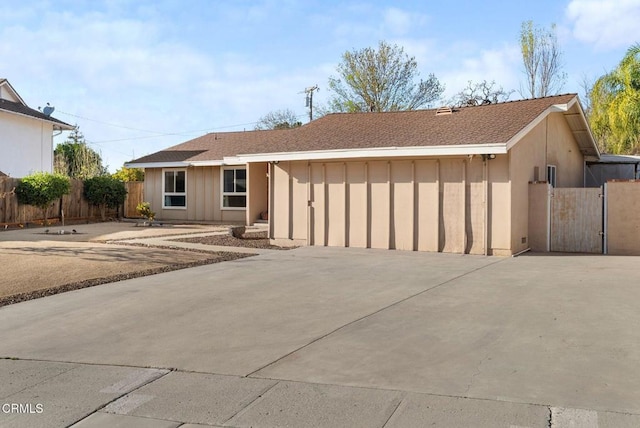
380 152
156 164
13 90
56 125
231 160
591 150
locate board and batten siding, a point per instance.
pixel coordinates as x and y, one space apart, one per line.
404 204
203 197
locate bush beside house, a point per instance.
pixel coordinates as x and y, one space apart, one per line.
105 192
41 190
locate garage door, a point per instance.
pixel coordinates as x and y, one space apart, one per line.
424 205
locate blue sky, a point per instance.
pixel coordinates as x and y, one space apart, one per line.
140 76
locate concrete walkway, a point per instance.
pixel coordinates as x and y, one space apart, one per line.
335 337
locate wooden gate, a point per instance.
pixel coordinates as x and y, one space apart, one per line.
576 220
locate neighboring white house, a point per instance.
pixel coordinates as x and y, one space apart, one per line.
26 135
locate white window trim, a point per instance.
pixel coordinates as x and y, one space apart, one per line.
223 193
164 207
553 182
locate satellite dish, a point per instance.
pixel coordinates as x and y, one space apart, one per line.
48 110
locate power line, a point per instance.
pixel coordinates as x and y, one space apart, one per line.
107 123
157 133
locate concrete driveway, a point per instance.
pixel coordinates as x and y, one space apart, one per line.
337 337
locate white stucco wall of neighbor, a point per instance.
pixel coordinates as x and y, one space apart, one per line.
26 145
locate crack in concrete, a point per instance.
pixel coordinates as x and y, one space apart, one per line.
477 372
462 275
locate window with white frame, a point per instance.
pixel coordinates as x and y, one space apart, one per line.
234 188
174 188
551 175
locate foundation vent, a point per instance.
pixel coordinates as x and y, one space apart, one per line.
443 111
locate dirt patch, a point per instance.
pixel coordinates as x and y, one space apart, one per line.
43 261
35 269
213 258
249 240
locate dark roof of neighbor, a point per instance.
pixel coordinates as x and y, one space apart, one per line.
28 111
486 124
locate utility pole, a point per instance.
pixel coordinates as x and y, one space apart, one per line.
309 101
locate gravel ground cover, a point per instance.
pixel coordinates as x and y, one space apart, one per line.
249 240
37 264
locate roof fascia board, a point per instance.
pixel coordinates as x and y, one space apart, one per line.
585 122
185 164
14 92
556 108
62 126
535 122
231 160
383 152
156 164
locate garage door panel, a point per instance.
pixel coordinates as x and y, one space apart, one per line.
475 207
317 212
427 203
379 201
402 232
299 181
452 205
357 204
335 201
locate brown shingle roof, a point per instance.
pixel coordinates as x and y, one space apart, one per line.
28 111
494 123
216 146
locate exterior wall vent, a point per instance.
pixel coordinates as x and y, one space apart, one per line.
444 110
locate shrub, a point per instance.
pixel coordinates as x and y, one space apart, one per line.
129 174
41 189
144 209
104 192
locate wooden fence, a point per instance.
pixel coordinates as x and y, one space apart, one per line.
74 205
135 195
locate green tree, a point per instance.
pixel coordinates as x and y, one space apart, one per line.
480 93
615 106
542 60
41 189
279 119
125 174
380 79
104 192
75 159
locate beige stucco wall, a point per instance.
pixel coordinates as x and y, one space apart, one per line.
258 196
500 206
623 213
538 216
203 197
407 204
563 151
549 143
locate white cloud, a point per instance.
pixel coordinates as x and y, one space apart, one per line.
607 24
499 65
397 21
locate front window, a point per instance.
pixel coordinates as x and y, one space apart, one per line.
234 188
175 189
